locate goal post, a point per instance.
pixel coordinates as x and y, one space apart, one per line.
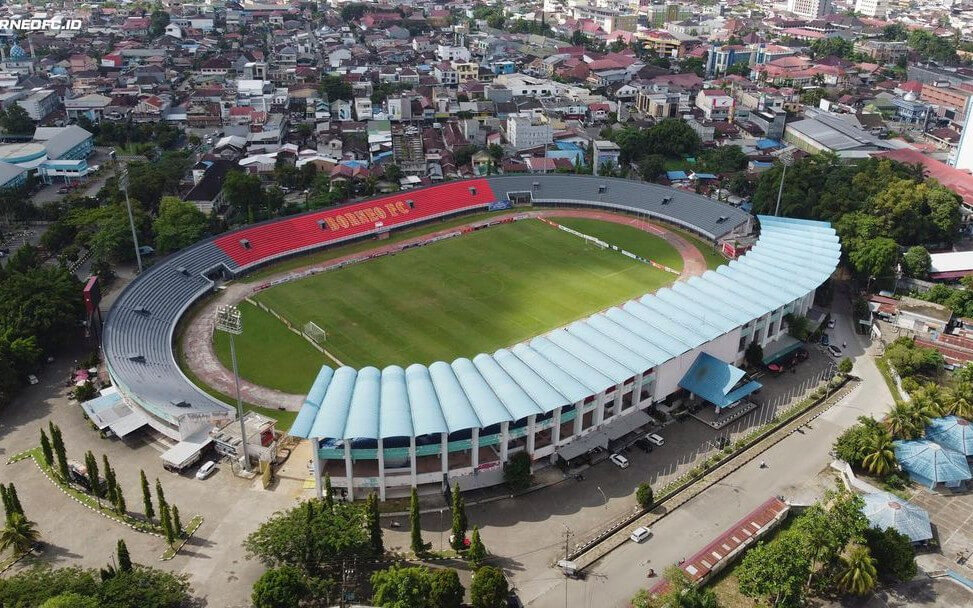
315 332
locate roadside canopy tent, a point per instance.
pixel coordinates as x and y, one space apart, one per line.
929 463
717 382
615 428
187 451
885 510
782 347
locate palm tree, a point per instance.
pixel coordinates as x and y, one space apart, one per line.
922 413
900 422
880 459
959 406
694 597
19 534
858 574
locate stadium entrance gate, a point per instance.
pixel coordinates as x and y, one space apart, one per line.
520 198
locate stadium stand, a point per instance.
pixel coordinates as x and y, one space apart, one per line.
137 338
271 240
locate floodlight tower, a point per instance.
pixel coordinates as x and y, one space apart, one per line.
228 320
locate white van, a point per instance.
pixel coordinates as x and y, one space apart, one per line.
656 439
640 534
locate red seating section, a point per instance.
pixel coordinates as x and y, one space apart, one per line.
294 233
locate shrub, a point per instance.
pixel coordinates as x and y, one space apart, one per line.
516 472
643 495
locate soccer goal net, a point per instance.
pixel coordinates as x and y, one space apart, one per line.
313 331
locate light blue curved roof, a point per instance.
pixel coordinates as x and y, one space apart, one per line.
570 364
953 433
931 463
365 404
396 417
885 510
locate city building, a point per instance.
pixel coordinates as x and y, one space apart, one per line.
716 104
963 158
606 154
876 9
407 150
810 9
528 132
39 104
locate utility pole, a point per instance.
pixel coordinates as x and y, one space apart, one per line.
228 320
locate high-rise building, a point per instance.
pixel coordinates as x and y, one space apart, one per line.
871 8
964 152
811 9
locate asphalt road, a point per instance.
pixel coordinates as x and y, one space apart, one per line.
793 465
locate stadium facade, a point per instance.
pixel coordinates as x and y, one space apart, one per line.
553 396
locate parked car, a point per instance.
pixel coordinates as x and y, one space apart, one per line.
619 460
643 444
831 323
640 534
834 350
208 468
825 339
656 439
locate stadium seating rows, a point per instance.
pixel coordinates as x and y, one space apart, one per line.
281 237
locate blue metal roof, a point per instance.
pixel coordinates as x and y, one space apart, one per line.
570 364
953 433
714 381
930 463
884 510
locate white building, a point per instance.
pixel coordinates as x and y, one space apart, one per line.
963 159
606 153
39 104
811 9
528 132
716 104
871 8
452 53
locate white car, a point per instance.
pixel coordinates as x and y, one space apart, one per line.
656 439
640 534
834 350
831 323
620 460
208 468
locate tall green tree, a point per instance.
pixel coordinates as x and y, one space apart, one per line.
165 518
858 574
374 524
893 552
19 534
146 496
16 121
14 507
177 523
445 589
401 587
160 495
60 453
416 544
120 505
111 484
328 492
281 587
124 559
178 224
46 449
776 571
459 519
477 552
916 262
489 588
94 479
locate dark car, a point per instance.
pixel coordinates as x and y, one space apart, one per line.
643 444
514 602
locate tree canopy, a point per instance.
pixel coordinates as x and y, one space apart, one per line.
179 224
140 587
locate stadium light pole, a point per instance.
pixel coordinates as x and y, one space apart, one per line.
228 320
123 183
785 160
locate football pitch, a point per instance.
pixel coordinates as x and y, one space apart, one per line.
456 298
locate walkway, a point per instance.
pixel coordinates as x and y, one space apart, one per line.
197 342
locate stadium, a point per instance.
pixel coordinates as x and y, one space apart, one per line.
552 395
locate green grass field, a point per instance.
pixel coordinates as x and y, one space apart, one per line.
459 297
629 238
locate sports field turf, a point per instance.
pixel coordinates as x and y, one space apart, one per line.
459 297
629 238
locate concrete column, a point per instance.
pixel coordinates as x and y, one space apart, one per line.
444 452
349 472
475 448
412 460
556 427
316 461
617 406
504 438
531 429
578 417
637 390
599 409
381 470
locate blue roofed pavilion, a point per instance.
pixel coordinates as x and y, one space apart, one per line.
929 463
953 433
884 510
716 381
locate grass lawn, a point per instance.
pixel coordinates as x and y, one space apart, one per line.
459 297
629 238
337 252
255 351
714 259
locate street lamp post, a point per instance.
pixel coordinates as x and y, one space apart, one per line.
785 160
123 184
228 320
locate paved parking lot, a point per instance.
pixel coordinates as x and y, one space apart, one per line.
952 520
